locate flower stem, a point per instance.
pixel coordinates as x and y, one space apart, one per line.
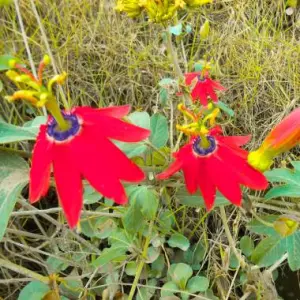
230 238
21 270
141 264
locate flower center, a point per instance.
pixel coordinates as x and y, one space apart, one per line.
201 78
59 135
204 151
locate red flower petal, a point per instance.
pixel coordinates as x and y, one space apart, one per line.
115 129
216 85
68 182
236 140
111 111
224 179
210 91
104 165
247 175
173 168
40 167
207 188
189 77
199 92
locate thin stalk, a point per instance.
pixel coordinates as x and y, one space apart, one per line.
21 270
230 238
141 264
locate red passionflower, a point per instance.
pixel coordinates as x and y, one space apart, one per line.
203 88
85 150
223 166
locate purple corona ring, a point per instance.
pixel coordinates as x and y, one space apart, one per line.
60 136
198 150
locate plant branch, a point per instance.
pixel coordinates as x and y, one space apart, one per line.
141 264
21 270
230 238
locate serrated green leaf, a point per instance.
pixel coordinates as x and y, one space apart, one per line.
256 226
34 290
247 245
293 247
197 284
13 178
159 130
180 274
291 188
269 250
176 30
178 240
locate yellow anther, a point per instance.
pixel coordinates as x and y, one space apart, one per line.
11 74
212 117
43 99
23 94
59 79
12 63
46 60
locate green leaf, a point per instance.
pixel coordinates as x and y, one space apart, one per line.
1 85
11 133
195 255
260 228
72 288
130 268
4 61
120 238
225 108
176 30
204 30
269 250
133 219
152 255
233 261
159 130
146 293
100 227
158 266
34 290
168 289
145 199
109 255
293 245
13 178
56 265
140 118
178 240
90 195
197 284
163 96
180 274
246 245
166 221
197 200
131 149
291 180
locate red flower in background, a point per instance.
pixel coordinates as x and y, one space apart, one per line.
204 87
223 166
85 150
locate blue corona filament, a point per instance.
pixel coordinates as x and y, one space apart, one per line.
204 151
58 135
